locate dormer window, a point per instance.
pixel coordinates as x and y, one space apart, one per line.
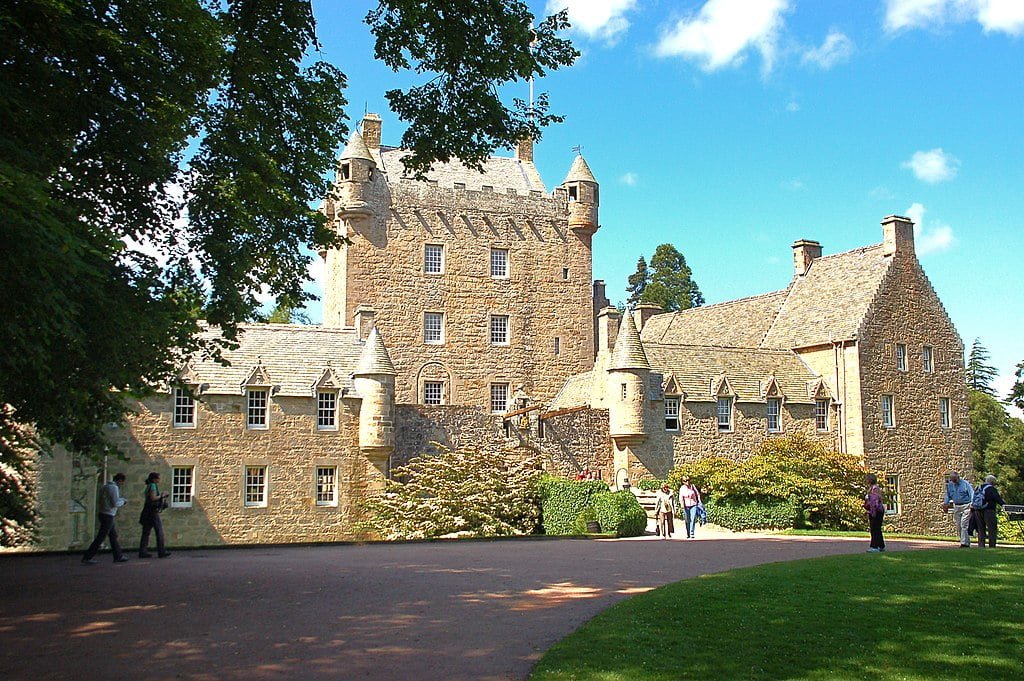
184 407
346 171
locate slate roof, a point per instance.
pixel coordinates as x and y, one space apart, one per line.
356 148
375 359
579 172
293 356
501 174
628 352
577 391
733 324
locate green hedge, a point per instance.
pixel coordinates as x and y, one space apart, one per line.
620 513
752 515
585 516
651 485
562 500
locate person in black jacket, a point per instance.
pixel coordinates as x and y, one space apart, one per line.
985 517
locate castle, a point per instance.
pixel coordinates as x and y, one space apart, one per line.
463 310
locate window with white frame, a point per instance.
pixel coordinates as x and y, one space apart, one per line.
944 415
326 410
257 402
182 486
723 410
433 328
671 413
255 486
821 415
499 398
499 329
499 263
892 495
774 415
326 487
888 404
184 408
433 259
927 361
433 392
901 357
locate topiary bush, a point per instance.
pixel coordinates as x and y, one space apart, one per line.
620 514
752 515
562 500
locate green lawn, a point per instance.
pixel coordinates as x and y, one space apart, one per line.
913 615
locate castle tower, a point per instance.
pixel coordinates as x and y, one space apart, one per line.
582 191
374 379
626 394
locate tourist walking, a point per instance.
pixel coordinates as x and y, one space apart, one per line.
985 517
110 500
153 504
875 507
958 497
689 500
664 505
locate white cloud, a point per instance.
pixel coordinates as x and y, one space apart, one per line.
724 30
933 166
836 49
1006 16
937 236
597 19
629 179
793 106
794 185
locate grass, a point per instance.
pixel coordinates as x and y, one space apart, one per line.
908 616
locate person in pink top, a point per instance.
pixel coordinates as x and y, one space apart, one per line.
875 506
689 498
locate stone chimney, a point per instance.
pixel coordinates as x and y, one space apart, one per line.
805 252
644 312
371 131
524 150
364 316
607 328
897 235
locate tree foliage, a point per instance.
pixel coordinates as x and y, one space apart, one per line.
1016 396
18 445
980 373
667 282
997 444
465 492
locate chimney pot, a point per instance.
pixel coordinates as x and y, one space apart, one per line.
371 131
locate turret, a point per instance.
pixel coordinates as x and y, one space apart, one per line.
374 379
355 170
582 192
626 394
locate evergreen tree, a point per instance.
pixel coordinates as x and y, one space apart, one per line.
287 313
997 443
979 372
637 282
1016 396
671 285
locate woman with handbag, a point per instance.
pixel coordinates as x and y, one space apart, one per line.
153 503
875 507
689 499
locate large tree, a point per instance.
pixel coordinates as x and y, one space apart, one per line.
668 282
1016 396
118 117
979 372
997 443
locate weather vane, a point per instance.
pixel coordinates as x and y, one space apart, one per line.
578 149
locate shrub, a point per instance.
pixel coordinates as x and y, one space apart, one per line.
620 514
585 516
650 484
470 492
752 515
563 499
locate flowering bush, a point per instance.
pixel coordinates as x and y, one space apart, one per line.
18 449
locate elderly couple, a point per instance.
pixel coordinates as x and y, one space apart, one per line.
960 499
665 507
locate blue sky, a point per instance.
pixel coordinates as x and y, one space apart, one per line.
731 128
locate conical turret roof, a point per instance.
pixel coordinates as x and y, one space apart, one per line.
374 358
629 351
356 148
579 172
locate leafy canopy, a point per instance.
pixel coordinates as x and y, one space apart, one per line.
667 282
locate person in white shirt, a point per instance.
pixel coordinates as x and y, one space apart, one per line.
110 500
689 499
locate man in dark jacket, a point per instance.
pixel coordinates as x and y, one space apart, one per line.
985 517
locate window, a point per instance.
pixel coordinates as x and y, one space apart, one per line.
944 416
927 363
821 415
774 415
346 171
256 486
901 357
499 263
671 413
327 410
326 489
558 345
182 486
433 259
433 328
256 413
184 409
888 412
565 274
499 329
625 391
499 398
573 192
432 392
724 411
892 494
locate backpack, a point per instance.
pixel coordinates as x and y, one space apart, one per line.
978 503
